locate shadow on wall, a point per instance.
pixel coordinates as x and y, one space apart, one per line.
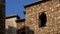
21 31
42 19
29 31
11 30
25 30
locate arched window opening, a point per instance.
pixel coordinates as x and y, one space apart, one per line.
42 19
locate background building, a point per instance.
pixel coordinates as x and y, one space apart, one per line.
43 17
10 24
14 25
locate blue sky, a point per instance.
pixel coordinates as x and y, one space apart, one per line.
16 7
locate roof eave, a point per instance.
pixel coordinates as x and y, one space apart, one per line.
35 3
20 20
11 16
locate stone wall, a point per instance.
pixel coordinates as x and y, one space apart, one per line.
51 9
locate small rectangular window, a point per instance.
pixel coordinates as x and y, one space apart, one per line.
42 19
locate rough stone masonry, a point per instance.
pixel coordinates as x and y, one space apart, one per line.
51 9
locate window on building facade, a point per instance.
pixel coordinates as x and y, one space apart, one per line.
42 19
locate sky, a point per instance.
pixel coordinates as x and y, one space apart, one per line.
17 7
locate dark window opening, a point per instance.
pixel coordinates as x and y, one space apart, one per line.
21 31
42 19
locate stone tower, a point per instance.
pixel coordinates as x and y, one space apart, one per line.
43 17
